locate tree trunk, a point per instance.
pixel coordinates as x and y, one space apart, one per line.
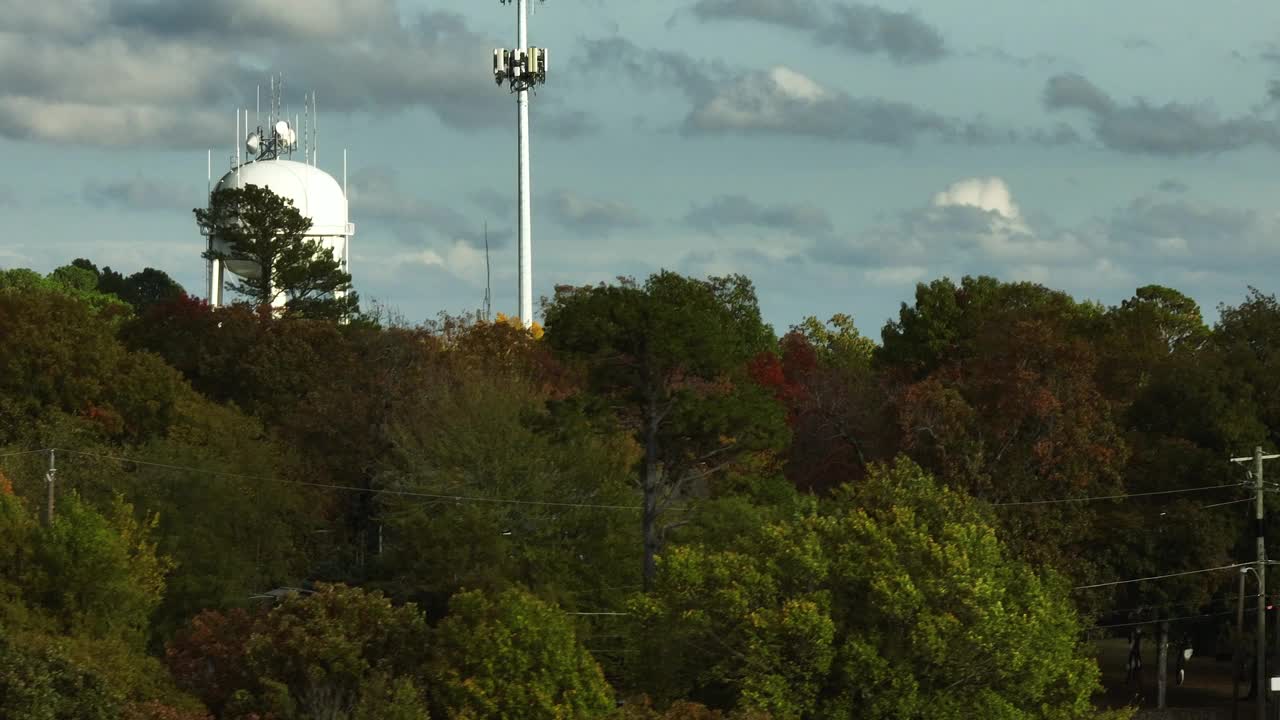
650 481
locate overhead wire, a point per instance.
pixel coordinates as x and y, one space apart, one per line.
25 452
1117 497
353 488
464 498
1162 577
1229 502
1162 606
1172 619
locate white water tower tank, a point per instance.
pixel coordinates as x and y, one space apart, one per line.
314 193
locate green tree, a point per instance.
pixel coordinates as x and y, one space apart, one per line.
96 574
1249 335
671 356
75 281
257 226
42 685
514 657
489 437
837 342
337 652
74 599
141 289
896 600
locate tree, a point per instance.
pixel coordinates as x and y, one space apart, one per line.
671 356
259 227
75 281
489 436
994 388
837 405
147 287
336 652
514 657
98 575
42 685
1249 335
895 600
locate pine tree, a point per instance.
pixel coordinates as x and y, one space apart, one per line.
255 225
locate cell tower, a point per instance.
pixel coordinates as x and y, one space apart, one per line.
523 68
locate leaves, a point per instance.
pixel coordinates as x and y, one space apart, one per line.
510 656
259 229
896 600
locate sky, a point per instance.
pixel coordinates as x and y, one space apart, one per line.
835 152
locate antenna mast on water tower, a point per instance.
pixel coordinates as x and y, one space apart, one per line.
523 68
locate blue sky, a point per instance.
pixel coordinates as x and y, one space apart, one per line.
836 152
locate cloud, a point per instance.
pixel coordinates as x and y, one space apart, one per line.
8 196
972 226
291 19
728 211
148 72
868 29
781 101
989 194
589 216
139 194
797 14
1172 129
25 118
858 28
1182 232
657 69
376 195
976 226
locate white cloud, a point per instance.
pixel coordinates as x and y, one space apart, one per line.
990 194
55 121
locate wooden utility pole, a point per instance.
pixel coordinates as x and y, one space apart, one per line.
1260 643
48 481
1162 662
1258 459
1237 666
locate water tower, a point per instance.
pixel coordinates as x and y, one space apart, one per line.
268 162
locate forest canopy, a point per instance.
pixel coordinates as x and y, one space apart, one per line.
656 505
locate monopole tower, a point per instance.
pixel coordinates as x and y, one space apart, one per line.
523 68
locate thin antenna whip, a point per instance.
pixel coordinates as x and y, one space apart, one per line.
488 277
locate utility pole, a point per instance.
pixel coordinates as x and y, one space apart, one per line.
523 67
1237 654
48 481
1162 663
1260 643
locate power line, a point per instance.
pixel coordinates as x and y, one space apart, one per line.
25 452
1229 502
1161 577
353 488
1173 619
1116 497
1162 606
